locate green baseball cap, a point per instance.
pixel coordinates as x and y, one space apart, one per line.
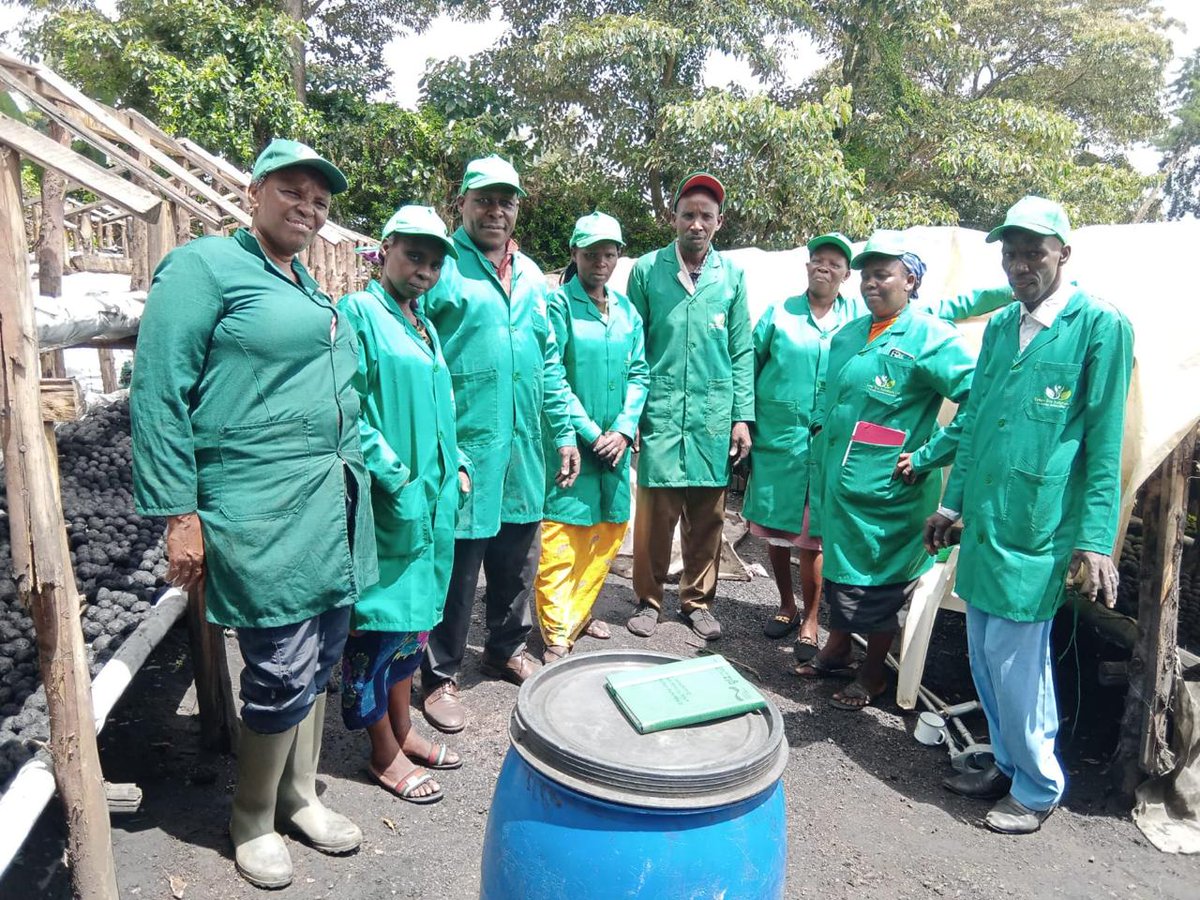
1036 214
704 181
488 171
592 229
832 239
420 221
882 243
283 154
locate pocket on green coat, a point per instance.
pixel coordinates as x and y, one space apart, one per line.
1033 509
777 426
718 406
264 469
867 471
402 521
477 406
660 403
1053 391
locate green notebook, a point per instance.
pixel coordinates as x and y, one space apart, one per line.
682 693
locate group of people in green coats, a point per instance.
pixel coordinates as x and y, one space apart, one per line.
336 475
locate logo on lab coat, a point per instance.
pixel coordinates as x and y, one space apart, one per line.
883 384
718 320
1054 396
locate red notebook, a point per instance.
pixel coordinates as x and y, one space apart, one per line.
878 435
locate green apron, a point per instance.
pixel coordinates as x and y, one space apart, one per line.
791 354
701 360
871 524
410 448
505 367
244 411
1038 471
605 361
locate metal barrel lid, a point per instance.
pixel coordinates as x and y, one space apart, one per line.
567 727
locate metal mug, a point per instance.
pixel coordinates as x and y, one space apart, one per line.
931 729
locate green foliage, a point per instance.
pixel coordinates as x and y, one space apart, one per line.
1181 145
217 72
783 168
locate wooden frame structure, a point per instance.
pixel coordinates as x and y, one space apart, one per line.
158 192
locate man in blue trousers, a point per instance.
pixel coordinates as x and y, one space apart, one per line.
1037 480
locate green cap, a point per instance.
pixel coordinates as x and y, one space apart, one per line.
419 221
595 228
488 171
1036 214
283 154
832 239
704 181
882 243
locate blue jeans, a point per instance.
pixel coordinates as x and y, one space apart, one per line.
1011 664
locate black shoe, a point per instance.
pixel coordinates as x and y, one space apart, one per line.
1011 816
990 784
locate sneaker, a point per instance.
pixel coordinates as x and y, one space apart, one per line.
703 623
644 620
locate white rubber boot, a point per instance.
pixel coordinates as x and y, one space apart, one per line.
299 809
259 852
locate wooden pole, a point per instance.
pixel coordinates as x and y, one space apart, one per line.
36 527
1142 749
51 245
108 370
210 669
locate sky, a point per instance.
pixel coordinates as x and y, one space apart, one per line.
407 55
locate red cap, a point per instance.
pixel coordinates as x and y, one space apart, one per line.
701 180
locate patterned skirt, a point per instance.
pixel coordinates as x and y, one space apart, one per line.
372 663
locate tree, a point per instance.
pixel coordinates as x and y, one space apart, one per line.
216 72
961 109
1181 144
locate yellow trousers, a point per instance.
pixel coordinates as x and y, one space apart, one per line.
575 561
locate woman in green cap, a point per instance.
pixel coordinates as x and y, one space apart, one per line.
407 427
791 354
877 458
601 339
245 438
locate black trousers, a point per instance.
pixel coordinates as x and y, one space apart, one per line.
509 561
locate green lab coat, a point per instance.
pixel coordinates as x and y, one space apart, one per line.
605 361
791 354
701 362
505 367
871 524
244 411
411 451
1038 471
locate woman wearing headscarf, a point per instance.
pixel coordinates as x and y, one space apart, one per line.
791 355
245 437
877 457
601 338
407 427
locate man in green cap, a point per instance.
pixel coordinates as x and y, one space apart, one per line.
1037 480
489 309
696 421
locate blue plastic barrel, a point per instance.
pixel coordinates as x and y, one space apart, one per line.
586 808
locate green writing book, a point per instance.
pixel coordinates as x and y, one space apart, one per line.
682 693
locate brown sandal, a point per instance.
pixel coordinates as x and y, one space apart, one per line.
598 630
554 652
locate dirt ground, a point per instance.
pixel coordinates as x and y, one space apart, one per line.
867 817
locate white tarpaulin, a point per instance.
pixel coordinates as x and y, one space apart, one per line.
93 307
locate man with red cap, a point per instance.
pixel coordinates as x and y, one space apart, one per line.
695 423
